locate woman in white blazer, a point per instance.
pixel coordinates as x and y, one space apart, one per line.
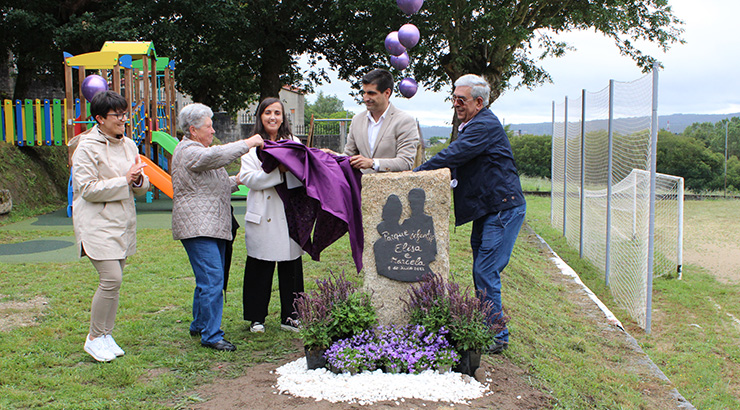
266 228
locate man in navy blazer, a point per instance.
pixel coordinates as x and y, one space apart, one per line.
487 191
382 138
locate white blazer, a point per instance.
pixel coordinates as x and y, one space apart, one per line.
266 228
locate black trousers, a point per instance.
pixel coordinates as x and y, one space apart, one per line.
258 287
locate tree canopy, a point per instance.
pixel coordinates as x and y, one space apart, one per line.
501 40
325 106
232 50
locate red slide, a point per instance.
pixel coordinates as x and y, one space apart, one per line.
157 176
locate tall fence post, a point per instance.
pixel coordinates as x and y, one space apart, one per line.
565 169
609 176
342 135
651 223
679 251
583 171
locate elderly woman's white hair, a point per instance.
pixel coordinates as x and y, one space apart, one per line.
193 114
478 86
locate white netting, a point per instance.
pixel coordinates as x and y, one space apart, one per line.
558 165
573 173
625 258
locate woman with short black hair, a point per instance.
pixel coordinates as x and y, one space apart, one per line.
107 175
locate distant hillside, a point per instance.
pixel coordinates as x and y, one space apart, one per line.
434 131
674 122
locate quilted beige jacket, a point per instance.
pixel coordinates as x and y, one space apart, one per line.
202 189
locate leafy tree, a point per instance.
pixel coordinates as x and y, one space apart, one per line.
532 154
325 106
216 62
687 157
713 135
437 140
230 49
36 32
501 40
733 174
227 52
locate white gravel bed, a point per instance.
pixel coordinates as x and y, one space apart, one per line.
368 387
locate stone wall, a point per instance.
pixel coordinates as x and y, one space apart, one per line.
228 130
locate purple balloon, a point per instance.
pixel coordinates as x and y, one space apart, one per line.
408 35
393 45
400 62
410 6
408 87
93 84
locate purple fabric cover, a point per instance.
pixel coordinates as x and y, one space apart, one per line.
329 203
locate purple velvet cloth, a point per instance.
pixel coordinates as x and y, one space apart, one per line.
329 203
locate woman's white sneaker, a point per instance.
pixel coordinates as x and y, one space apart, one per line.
98 349
113 346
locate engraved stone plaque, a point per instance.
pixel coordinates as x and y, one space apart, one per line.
404 250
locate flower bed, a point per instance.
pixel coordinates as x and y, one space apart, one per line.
394 349
446 322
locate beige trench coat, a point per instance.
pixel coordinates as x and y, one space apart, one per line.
103 210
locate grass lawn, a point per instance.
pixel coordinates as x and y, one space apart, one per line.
695 337
562 350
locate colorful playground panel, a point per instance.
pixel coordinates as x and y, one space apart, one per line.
33 122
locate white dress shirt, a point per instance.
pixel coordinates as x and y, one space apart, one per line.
373 128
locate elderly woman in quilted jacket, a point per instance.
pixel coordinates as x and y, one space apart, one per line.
201 215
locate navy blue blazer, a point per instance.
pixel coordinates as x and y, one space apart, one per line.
481 161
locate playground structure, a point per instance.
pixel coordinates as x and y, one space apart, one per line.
133 70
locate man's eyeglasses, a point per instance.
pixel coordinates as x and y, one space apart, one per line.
121 116
456 99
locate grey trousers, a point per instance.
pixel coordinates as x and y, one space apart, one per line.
105 301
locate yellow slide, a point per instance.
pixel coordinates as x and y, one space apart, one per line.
157 176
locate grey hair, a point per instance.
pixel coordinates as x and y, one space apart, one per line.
478 86
193 115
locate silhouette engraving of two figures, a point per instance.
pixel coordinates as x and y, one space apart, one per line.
404 251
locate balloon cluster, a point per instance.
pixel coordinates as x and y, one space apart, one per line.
397 42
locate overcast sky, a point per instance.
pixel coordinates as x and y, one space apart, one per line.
699 77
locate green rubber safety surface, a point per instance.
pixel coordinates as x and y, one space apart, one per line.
153 215
43 250
34 246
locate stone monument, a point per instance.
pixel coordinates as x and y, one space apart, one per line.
406 217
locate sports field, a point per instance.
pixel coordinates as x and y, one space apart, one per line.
712 237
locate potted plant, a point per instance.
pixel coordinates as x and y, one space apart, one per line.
313 327
438 304
352 315
334 310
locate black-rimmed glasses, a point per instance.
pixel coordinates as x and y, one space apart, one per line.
123 116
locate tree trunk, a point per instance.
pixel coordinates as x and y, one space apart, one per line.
270 72
23 79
